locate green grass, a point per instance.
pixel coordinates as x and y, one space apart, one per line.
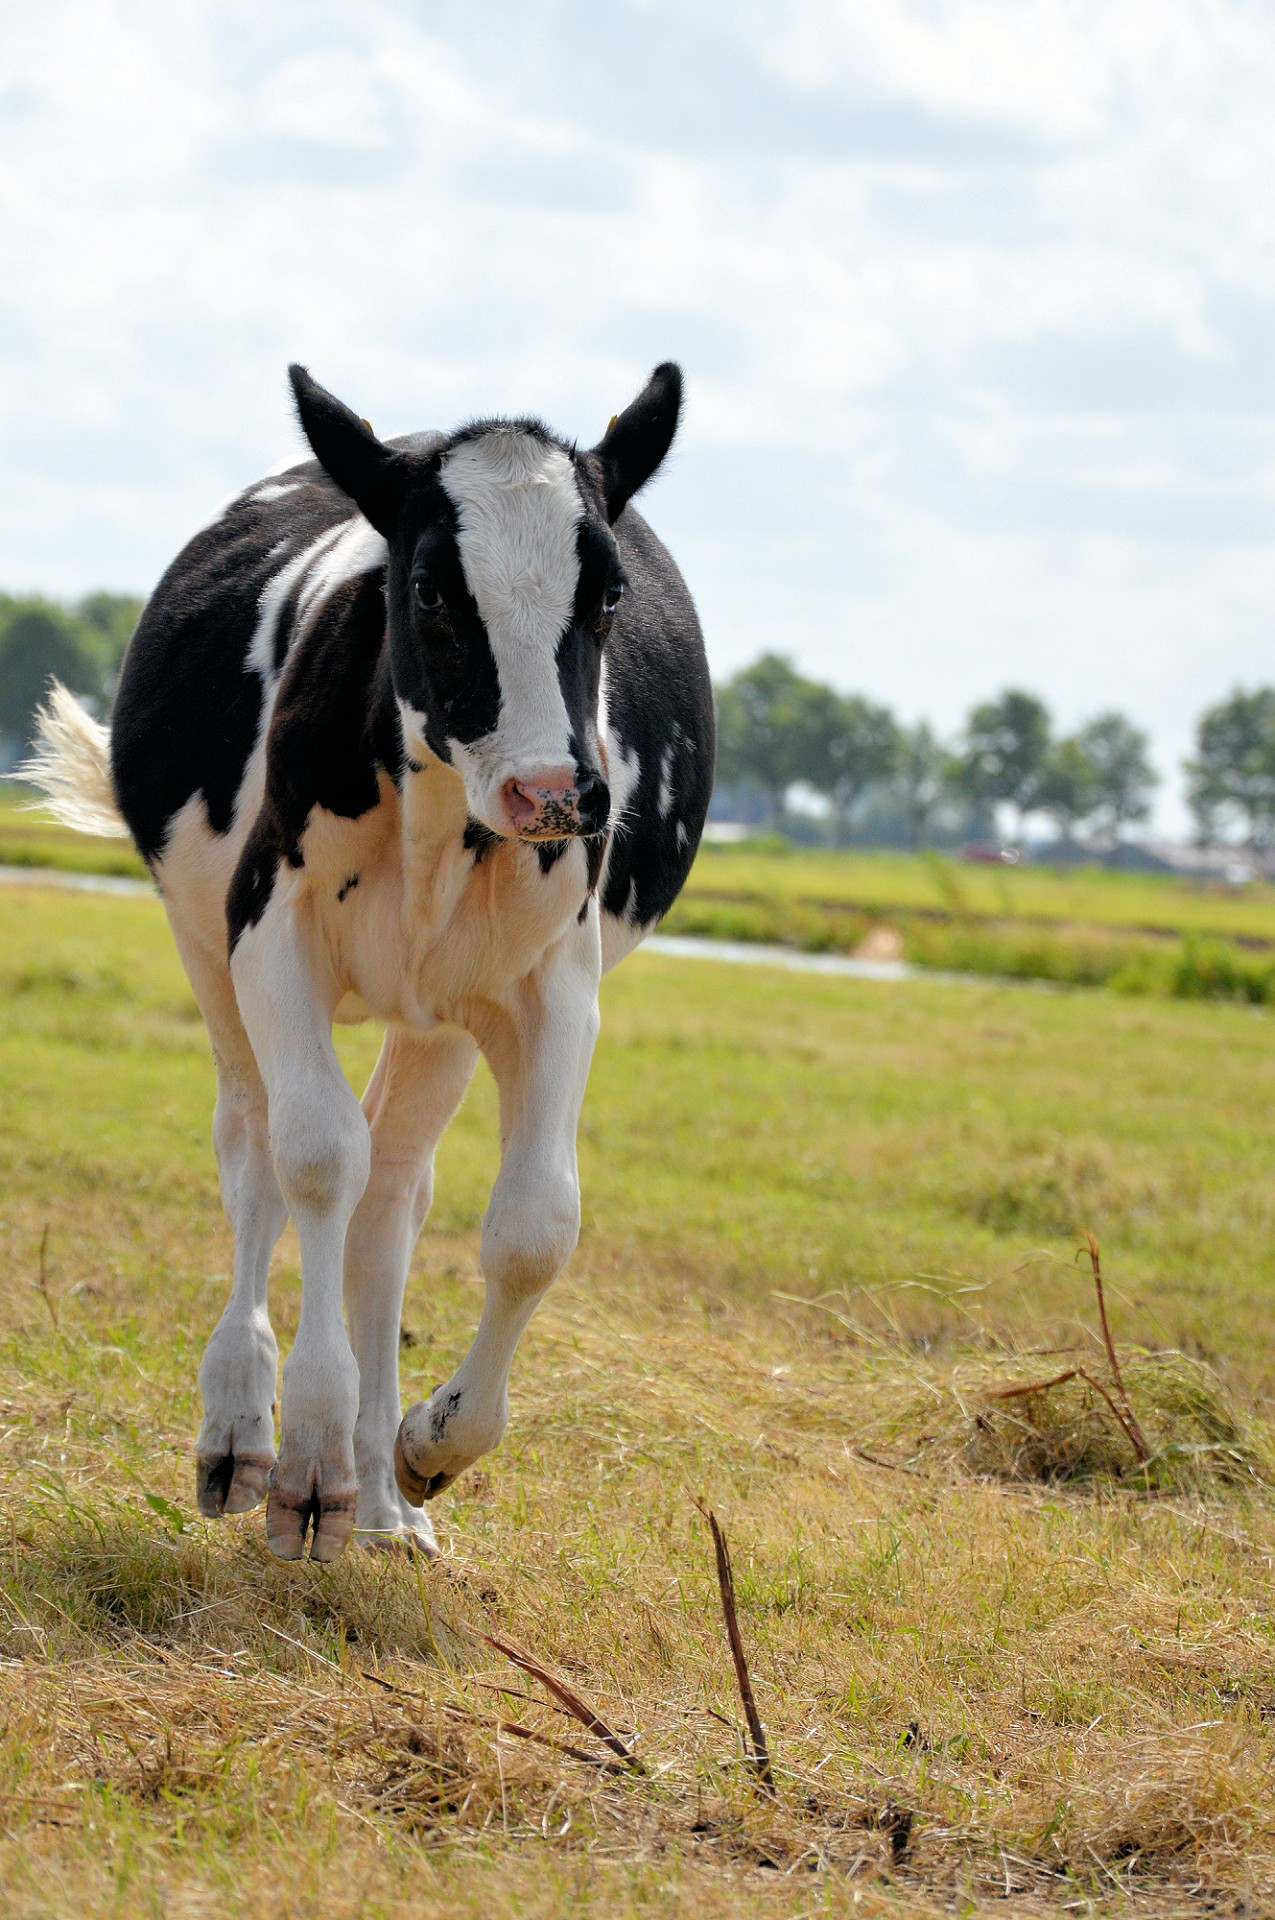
28 838
826 1223
1089 896
1138 934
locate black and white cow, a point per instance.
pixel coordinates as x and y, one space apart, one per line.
420 730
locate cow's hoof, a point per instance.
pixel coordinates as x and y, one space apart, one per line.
414 1542
414 1487
293 1514
437 1439
227 1483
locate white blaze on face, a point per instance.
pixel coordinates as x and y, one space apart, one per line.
517 510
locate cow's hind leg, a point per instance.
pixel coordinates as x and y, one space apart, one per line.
415 1090
234 1453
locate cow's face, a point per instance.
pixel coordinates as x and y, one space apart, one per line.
503 581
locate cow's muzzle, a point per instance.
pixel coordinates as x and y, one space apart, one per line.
548 805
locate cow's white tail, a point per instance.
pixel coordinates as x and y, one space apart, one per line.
71 764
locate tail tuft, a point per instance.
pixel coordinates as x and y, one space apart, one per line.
71 764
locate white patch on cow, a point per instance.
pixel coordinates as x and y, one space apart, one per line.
623 768
343 552
682 835
274 595
517 510
358 549
274 490
666 783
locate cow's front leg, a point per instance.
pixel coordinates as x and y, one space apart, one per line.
416 1088
319 1143
539 1051
237 1377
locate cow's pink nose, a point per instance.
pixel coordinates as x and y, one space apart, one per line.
545 801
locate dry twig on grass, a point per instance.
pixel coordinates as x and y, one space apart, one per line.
760 1755
1137 1439
571 1700
514 1727
1118 1401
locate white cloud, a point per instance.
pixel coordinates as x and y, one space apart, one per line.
974 298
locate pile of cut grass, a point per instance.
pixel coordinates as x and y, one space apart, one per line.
1057 1424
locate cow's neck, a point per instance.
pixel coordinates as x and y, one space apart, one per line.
436 862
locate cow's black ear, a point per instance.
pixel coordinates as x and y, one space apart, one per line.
349 452
638 439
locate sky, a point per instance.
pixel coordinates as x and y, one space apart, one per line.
974 298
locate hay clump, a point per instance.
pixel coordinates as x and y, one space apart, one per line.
1015 1423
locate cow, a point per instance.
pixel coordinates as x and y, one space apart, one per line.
420 731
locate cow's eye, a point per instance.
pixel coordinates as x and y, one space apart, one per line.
612 598
426 594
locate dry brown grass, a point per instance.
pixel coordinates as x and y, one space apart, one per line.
970 1687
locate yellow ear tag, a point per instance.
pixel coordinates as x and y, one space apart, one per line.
610 423
368 425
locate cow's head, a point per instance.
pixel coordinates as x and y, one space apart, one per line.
503 581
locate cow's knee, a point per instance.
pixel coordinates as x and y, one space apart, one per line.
530 1231
322 1152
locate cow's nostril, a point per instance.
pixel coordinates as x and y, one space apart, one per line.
594 803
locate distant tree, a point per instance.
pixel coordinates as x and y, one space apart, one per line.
1123 775
1067 785
1231 780
109 620
773 729
861 744
39 641
1006 746
922 772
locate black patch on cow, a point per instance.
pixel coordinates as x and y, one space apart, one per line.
595 850
441 1415
351 881
332 731
659 701
442 661
549 852
478 839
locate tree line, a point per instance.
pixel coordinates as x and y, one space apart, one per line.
778 731
873 777
80 644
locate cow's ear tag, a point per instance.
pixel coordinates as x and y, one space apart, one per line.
368 425
610 423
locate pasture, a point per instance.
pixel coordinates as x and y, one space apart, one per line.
827 1223
1144 935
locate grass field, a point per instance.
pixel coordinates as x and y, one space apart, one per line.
1141 934
826 1223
